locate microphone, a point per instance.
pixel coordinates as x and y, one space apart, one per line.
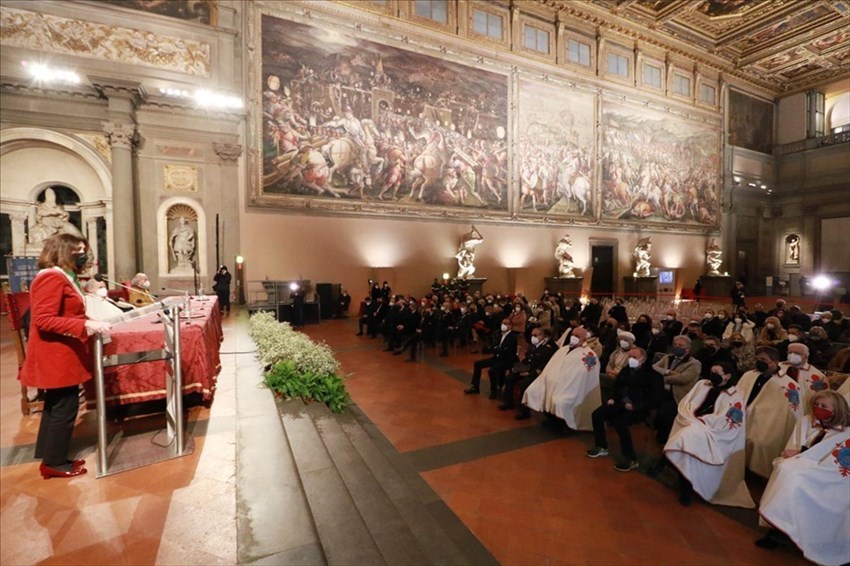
99 277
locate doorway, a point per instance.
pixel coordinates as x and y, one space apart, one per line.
602 260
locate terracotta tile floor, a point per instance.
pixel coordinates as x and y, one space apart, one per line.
545 504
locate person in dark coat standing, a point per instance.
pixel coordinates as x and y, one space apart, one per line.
739 295
222 288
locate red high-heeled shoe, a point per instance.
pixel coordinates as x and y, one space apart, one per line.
47 472
78 463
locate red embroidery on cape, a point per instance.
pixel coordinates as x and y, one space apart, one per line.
842 457
793 395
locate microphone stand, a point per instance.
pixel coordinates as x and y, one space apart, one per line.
195 275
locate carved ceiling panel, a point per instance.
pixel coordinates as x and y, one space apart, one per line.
785 44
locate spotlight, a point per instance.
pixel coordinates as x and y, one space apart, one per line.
821 282
293 286
445 276
42 73
217 100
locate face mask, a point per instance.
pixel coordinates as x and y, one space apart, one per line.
721 316
517 309
761 366
634 363
146 285
462 311
619 330
692 335
737 344
711 349
669 317
102 292
795 359
535 340
707 316
504 328
656 331
715 378
770 326
822 414
678 351
738 320
81 260
793 337
624 344
574 340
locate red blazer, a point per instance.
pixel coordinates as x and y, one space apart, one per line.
57 352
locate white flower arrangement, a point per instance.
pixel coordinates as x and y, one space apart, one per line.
278 342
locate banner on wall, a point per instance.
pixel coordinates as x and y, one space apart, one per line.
22 271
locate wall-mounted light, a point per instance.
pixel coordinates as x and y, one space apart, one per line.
44 74
217 100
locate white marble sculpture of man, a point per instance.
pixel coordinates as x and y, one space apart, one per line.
182 243
466 253
50 218
713 259
643 256
565 260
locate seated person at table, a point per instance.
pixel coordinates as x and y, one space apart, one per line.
98 305
140 293
707 443
773 408
342 304
568 387
680 371
807 499
809 379
503 359
526 371
618 359
630 404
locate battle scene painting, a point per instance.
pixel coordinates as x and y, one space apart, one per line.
555 149
658 168
750 122
201 11
346 118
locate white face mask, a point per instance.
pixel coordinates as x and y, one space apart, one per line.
795 359
146 285
634 363
793 337
738 320
625 345
669 317
707 316
619 331
574 340
535 340
770 326
656 331
504 328
517 308
102 292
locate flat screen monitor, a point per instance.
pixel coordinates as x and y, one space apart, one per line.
665 277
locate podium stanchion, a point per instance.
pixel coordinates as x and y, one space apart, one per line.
100 396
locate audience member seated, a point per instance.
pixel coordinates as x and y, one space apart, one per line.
740 325
707 444
503 359
672 326
608 333
658 343
799 318
837 327
808 378
772 334
773 408
742 352
618 311
795 335
568 387
694 332
679 371
710 324
373 314
423 323
408 323
518 317
591 340
807 499
780 307
758 315
343 304
632 400
820 347
712 353
591 313
618 359
642 329
840 362
140 292
98 305
565 337
528 369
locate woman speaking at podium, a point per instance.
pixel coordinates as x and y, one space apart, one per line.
58 357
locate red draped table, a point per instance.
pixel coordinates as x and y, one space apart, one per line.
200 337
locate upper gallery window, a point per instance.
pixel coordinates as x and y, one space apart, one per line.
487 24
651 75
436 10
708 94
681 85
578 52
536 39
618 65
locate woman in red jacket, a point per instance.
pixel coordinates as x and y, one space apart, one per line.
58 358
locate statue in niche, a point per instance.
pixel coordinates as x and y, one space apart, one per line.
182 243
792 249
713 259
50 218
565 260
466 253
643 256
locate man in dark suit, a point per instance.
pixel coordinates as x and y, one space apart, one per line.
526 371
503 359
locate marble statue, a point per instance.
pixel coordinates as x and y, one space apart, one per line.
712 258
792 249
466 253
565 260
643 256
50 218
182 243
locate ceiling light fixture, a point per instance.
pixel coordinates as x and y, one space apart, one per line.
44 74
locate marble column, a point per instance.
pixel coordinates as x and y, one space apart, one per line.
91 236
121 137
19 236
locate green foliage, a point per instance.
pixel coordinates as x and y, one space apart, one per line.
299 366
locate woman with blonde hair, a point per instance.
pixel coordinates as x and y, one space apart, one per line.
742 351
772 333
807 499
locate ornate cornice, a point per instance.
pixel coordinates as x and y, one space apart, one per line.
120 135
228 151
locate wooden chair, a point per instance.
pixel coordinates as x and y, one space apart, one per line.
17 304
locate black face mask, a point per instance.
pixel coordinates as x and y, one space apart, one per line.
81 260
761 366
737 344
715 379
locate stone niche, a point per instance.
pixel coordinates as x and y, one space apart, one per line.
182 248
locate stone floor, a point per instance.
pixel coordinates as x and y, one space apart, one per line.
525 492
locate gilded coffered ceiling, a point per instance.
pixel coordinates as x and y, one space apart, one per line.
783 45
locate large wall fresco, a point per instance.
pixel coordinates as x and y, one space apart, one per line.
555 149
658 168
345 118
750 122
